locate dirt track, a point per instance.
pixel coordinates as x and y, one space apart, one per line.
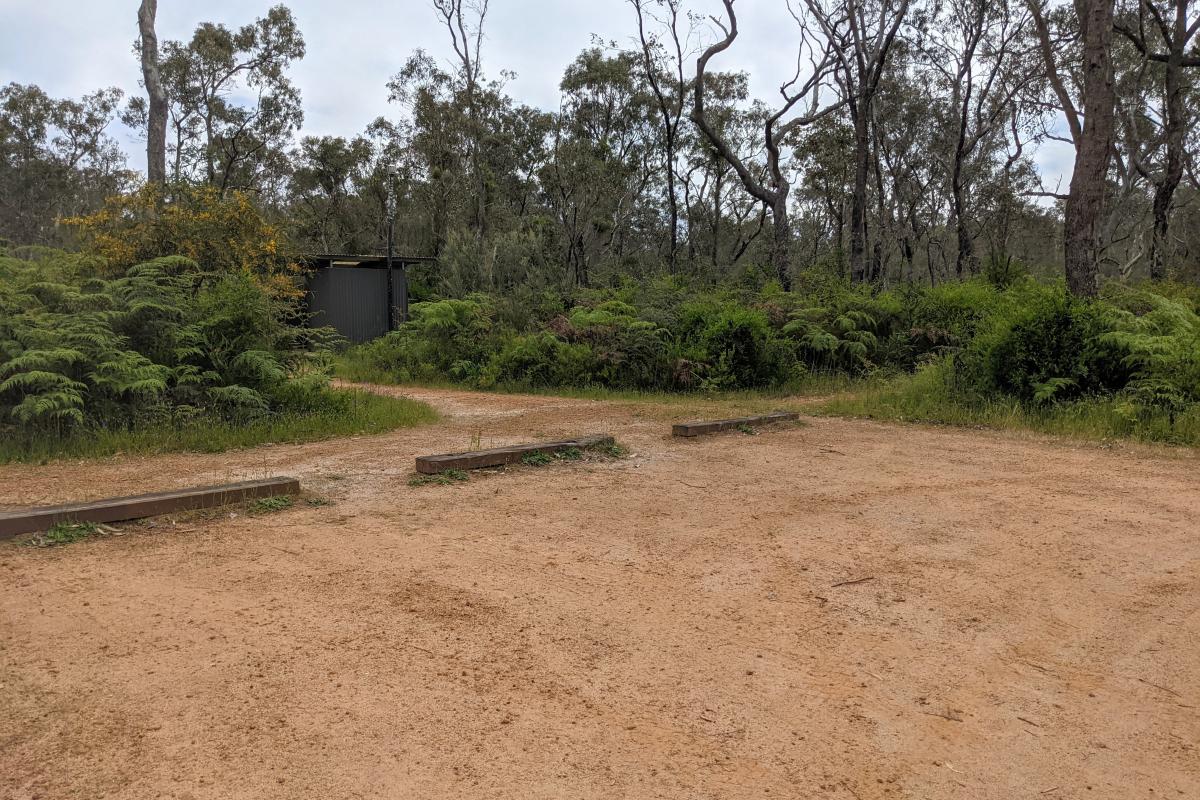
668 625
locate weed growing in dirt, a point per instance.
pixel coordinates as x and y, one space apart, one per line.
318 502
747 429
65 533
569 454
536 459
270 505
450 476
615 450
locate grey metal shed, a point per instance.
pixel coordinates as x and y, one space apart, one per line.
349 292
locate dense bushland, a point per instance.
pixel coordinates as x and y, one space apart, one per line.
1026 344
91 363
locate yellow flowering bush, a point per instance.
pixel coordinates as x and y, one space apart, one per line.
223 234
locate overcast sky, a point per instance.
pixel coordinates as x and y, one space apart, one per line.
69 47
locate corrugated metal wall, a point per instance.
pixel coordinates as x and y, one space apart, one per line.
351 300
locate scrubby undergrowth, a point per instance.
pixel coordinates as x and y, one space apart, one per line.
1023 354
163 356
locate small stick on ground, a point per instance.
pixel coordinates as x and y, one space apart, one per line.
1163 688
950 716
853 582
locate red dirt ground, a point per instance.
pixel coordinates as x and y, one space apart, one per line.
1016 618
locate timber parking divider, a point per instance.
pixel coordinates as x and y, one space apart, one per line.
690 430
121 509
499 456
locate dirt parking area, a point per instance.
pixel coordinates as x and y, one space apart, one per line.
836 610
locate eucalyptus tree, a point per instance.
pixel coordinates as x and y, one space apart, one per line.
860 35
601 159
1165 34
325 187
464 21
216 138
911 163
156 116
980 54
1082 83
663 53
724 220
805 100
431 143
57 160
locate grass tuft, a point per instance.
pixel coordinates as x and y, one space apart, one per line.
64 533
615 450
536 459
447 478
270 505
569 454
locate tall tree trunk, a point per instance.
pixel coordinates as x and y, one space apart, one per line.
1085 203
1164 192
964 261
716 223
781 253
858 199
156 128
672 202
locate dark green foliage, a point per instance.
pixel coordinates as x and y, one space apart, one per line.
1046 349
1027 341
164 347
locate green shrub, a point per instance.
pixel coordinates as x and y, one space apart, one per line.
1044 350
729 345
164 343
1009 340
539 360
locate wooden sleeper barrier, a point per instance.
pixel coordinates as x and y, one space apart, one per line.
481 459
689 430
119 509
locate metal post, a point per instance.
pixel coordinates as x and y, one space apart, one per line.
391 222
403 291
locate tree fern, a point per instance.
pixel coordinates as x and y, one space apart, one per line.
164 340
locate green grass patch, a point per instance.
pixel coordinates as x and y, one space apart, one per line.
270 505
64 533
332 413
536 459
926 398
569 454
447 478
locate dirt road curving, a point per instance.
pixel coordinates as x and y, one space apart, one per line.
840 610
